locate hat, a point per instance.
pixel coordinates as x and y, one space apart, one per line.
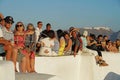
9 19
85 33
71 28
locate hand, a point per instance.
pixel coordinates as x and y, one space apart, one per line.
46 51
6 42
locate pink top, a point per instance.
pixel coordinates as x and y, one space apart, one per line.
19 40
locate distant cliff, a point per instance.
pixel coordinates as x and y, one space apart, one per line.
115 35
97 30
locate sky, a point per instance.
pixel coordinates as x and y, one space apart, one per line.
62 14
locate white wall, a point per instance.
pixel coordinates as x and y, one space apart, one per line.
81 67
113 59
65 67
7 70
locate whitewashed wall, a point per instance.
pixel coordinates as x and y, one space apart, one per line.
81 67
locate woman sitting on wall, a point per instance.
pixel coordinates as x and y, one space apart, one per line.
61 40
47 44
20 53
68 44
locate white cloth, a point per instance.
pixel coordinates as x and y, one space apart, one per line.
47 46
37 31
1 33
84 41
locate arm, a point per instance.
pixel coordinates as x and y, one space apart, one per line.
69 45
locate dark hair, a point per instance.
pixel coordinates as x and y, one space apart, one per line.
48 24
65 32
104 36
51 34
39 22
79 35
92 36
17 26
108 41
60 33
99 36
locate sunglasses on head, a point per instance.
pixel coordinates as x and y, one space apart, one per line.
19 25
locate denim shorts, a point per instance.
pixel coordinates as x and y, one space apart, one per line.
2 49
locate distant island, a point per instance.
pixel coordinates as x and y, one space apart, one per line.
102 30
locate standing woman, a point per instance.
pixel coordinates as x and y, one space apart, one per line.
30 44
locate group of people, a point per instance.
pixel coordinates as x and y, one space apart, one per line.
102 43
19 45
23 43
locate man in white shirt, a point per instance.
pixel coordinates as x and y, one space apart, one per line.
1 35
38 30
8 37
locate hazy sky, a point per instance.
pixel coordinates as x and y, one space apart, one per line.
64 13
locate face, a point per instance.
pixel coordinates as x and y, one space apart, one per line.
30 27
100 38
106 38
118 42
74 34
109 43
48 28
40 25
114 44
19 27
8 25
67 36
103 44
2 22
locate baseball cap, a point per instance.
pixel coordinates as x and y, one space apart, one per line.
9 19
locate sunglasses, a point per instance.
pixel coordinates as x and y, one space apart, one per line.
9 22
19 25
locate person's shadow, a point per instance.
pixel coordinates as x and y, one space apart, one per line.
112 76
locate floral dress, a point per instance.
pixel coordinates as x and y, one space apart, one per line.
19 43
30 44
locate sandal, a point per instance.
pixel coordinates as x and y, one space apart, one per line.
16 70
102 63
97 60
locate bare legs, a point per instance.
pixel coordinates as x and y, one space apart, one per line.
9 51
14 58
23 65
32 65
